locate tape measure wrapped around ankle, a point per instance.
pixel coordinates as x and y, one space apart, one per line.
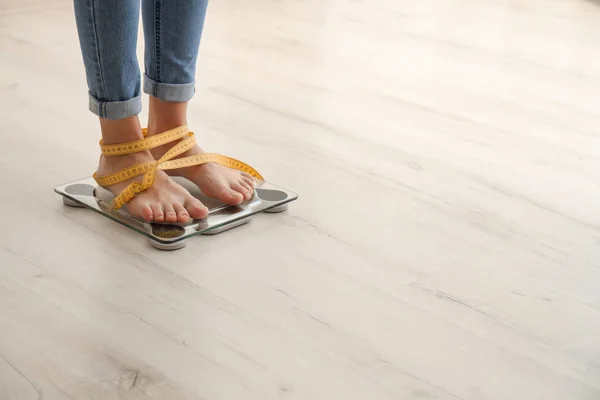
166 162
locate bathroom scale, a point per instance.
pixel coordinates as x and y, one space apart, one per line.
86 193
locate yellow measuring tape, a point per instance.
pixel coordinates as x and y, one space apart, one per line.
166 162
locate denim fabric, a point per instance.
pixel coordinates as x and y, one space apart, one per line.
172 31
108 32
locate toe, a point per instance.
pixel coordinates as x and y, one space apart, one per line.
196 209
233 196
226 194
157 210
249 187
243 190
249 190
182 214
250 181
141 210
170 214
146 213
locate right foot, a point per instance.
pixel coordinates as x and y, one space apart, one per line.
165 201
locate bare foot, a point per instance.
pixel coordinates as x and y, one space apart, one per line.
165 201
225 184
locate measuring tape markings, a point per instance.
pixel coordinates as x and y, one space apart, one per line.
144 144
164 163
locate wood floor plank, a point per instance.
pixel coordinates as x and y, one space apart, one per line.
444 246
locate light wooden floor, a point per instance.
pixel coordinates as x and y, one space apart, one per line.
446 244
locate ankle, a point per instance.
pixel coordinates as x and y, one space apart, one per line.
120 131
156 127
165 115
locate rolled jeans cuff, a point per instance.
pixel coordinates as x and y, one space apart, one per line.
116 109
176 92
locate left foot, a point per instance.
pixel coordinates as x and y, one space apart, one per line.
214 180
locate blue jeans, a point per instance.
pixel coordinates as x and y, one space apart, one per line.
108 31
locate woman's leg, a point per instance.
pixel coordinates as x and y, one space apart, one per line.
108 35
172 31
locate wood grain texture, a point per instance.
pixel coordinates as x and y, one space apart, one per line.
445 246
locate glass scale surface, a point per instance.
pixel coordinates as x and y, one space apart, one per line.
164 236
